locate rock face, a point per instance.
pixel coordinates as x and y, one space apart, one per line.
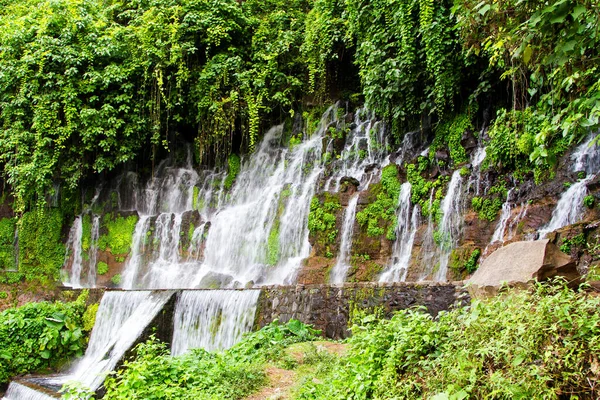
519 263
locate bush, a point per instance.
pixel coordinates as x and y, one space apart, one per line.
537 344
40 335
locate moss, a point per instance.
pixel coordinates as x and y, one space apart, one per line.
191 232
487 208
102 268
119 234
7 243
86 235
273 245
464 260
41 251
195 202
234 164
421 188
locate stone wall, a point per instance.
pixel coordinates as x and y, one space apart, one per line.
329 308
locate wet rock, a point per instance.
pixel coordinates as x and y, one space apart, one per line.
349 183
518 264
371 167
442 155
215 280
468 140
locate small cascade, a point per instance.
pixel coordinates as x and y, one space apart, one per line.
74 252
18 391
121 318
196 242
498 235
342 265
570 208
450 226
429 248
366 145
93 251
212 320
405 237
514 224
477 159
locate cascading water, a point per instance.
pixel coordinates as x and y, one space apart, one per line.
212 319
75 252
366 145
498 235
121 318
570 208
449 229
18 391
405 237
342 265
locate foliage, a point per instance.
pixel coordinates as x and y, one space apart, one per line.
116 279
589 201
232 374
577 241
234 169
381 213
450 134
471 264
322 220
40 335
41 251
7 243
89 317
537 344
86 234
119 233
102 268
422 189
487 208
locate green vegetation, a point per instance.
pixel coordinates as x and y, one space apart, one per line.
471 264
41 251
421 188
7 243
102 268
232 374
449 135
578 241
589 201
234 169
381 213
86 234
119 233
89 317
116 279
40 336
531 344
487 209
322 219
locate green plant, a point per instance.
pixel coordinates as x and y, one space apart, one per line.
119 233
532 344
589 201
40 335
89 317
577 240
116 279
379 216
234 164
102 268
7 243
471 264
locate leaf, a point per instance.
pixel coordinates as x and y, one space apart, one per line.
577 11
45 354
527 53
483 10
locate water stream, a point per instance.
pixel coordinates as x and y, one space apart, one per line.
212 319
342 265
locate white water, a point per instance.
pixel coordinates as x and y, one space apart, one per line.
570 208
514 224
366 145
75 252
405 237
342 265
498 235
17 391
121 318
450 226
212 320
93 251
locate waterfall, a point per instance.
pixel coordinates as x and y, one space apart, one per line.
514 224
120 320
212 320
74 252
18 391
366 145
342 265
449 229
498 235
93 251
405 237
570 208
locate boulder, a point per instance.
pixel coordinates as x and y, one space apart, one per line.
519 263
215 280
